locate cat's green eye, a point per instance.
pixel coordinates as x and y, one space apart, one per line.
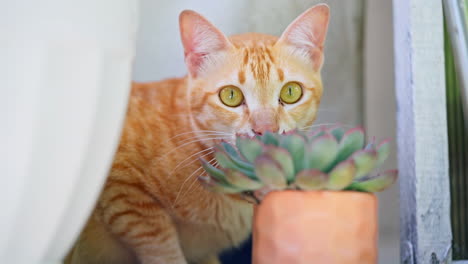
291 92
231 96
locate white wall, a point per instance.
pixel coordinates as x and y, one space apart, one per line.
380 113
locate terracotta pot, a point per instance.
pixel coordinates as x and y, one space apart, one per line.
323 227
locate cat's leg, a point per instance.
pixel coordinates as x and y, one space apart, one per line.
156 242
96 245
211 260
131 214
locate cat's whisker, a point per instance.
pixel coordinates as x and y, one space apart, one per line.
321 124
196 139
189 157
327 110
324 124
215 164
193 141
182 186
203 136
199 131
190 188
185 181
323 108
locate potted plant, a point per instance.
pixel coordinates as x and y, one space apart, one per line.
313 190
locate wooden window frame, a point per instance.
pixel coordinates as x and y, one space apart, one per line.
422 132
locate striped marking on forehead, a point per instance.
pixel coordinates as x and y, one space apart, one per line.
259 61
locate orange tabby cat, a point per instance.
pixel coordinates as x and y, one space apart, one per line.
152 209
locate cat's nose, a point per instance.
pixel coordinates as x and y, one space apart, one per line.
262 129
263 121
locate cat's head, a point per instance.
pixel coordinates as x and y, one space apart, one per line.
252 83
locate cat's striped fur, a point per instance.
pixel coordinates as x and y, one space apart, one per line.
152 209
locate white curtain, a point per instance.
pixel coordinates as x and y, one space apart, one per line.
65 73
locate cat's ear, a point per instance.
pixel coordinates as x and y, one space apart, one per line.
307 33
200 39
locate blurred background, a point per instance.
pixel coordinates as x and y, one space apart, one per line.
358 71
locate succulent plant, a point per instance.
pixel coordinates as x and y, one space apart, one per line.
322 159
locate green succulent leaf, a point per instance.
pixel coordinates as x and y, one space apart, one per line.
321 153
325 158
241 181
383 150
342 175
337 132
269 138
213 172
224 160
310 180
230 149
295 145
231 162
216 186
284 159
365 161
249 148
270 172
353 140
235 156
377 183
